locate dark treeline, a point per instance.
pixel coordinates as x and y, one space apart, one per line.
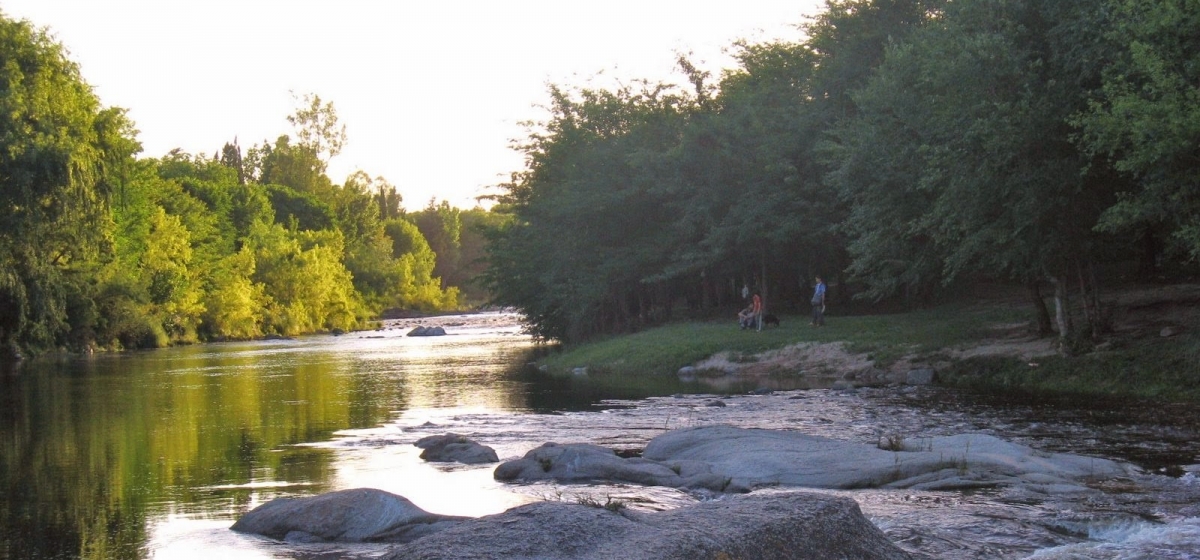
904 146
103 250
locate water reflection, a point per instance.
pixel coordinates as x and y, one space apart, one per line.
94 450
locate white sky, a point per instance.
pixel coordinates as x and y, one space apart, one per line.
431 93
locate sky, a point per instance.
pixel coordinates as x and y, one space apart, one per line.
431 93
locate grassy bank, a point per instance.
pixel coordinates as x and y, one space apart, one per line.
885 337
1136 364
1153 368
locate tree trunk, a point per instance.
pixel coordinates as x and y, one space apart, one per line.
1044 327
1089 313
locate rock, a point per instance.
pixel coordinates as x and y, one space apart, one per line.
580 371
921 376
735 460
453 448
427 331
358 515
782 526
686 372
714 402
1168 332
581 462
751 458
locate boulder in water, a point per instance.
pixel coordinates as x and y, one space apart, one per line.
453 448
358 515
779 526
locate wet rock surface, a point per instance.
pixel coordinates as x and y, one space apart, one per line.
356 515
725 458
454 448
583 462
793 526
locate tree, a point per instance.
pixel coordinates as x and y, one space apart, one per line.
63 155
962 152
442 228
1146 120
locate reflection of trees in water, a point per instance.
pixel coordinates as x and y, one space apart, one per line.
91 449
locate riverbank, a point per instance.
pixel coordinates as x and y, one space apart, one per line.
1152 351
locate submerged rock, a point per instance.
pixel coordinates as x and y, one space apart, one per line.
782 526
453 448
358 515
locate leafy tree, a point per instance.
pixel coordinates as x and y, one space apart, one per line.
307 288
1147 117
588 239
963 146
63 155
442 228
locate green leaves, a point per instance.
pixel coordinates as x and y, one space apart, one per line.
1146 119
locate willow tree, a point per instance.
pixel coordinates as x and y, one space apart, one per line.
62 153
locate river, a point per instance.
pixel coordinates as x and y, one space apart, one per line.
154 454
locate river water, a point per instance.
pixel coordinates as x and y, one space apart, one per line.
155 454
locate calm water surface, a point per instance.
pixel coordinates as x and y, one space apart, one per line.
155 454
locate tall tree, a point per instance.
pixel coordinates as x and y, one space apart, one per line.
972 117
63 155
1147 118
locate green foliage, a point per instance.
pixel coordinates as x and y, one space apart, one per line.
62 155
307 287
1146 120
1164 370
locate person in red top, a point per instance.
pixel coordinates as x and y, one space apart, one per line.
757 309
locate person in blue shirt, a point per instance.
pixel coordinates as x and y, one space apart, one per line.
818 303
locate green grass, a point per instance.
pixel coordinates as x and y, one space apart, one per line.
1151 367
665 349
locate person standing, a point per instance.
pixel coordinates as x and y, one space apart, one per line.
818 303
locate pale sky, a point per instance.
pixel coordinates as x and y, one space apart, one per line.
431 93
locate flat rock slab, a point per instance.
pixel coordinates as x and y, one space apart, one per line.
782 526
734 460
754 457
358 515
582 462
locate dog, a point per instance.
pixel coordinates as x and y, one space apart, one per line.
770 318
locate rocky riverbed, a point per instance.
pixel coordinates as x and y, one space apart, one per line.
981 483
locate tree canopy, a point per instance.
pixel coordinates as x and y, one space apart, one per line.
902 147
102 250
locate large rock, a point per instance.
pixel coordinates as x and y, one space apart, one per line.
358 515
752 458
427 331
783 526
920 376
453 448
581 462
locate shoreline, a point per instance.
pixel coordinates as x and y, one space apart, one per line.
1151 351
